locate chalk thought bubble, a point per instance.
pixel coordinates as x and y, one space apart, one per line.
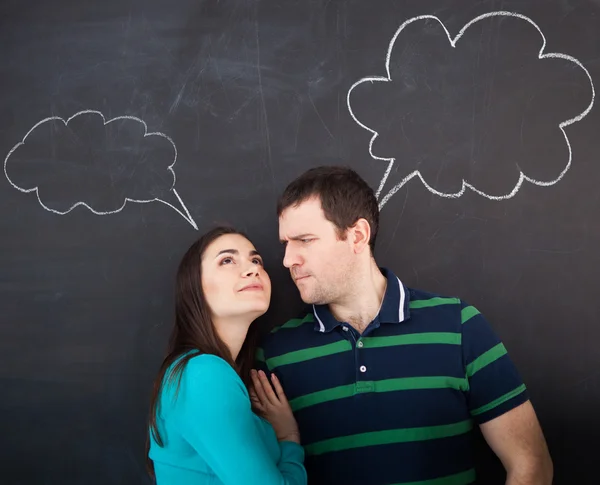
492 105
90 162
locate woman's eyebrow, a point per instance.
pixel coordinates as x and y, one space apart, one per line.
230 251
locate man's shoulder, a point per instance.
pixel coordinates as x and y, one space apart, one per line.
289 331
305 318
451 309
419 298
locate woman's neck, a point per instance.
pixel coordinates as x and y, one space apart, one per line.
232 332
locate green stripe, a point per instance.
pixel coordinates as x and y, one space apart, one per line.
387 385
463 478
375 438
500 400
310 353
429 382
413 338
437 301
369 342
467 313
485 359
319 397
260 355
295 322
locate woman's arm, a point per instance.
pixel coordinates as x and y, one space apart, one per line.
215 417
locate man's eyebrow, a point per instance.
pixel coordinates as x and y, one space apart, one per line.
296 238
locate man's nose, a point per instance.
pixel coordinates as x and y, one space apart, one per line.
290 257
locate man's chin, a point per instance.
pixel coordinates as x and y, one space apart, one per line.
307 298
310 299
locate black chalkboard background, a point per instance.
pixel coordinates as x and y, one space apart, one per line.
250 94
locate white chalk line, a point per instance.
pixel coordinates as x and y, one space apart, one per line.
186 216
465 184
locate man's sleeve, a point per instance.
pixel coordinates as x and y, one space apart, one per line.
495 385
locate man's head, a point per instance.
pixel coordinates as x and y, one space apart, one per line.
328 220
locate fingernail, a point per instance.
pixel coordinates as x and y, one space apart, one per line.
273 376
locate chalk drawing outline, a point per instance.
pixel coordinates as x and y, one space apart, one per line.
186 216
465 185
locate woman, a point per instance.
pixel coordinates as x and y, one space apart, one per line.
202 429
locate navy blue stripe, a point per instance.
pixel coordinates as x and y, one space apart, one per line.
378 412
502 408
402 462
434 360
493 381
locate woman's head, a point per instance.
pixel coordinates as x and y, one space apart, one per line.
220 284
221 279
234 282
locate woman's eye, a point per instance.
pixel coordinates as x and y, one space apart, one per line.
226 261
257 261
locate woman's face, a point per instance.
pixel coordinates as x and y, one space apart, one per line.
234 281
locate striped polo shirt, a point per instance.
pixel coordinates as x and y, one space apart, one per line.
397 404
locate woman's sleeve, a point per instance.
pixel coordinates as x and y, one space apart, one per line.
215 417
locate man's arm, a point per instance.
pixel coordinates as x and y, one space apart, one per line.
499 404
517 439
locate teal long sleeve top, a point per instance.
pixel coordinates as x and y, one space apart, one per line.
211 435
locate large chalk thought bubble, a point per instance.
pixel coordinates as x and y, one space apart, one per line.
95 163
485 110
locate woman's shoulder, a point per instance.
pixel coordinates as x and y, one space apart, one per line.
209 363
209 369
203 375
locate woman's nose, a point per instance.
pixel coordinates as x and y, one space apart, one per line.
253 269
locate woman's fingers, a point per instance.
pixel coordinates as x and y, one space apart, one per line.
255 402
258 388
278 389
268 389
253 397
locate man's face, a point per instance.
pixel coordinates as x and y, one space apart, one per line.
318 260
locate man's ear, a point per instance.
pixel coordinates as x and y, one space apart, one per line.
360 234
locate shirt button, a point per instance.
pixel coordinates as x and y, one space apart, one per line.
363 368
360 343
345 329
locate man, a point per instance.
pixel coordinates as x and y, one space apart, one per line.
386 382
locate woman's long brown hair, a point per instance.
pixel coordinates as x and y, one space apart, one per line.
194 331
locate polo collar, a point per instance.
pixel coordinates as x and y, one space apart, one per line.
394 308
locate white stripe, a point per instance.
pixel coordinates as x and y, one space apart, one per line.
402 297
321 326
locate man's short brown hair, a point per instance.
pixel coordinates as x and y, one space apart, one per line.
345 197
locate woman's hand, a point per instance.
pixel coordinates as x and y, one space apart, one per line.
273 406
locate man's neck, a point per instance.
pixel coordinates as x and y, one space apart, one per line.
362 305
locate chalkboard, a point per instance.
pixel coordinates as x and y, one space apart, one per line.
127 128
